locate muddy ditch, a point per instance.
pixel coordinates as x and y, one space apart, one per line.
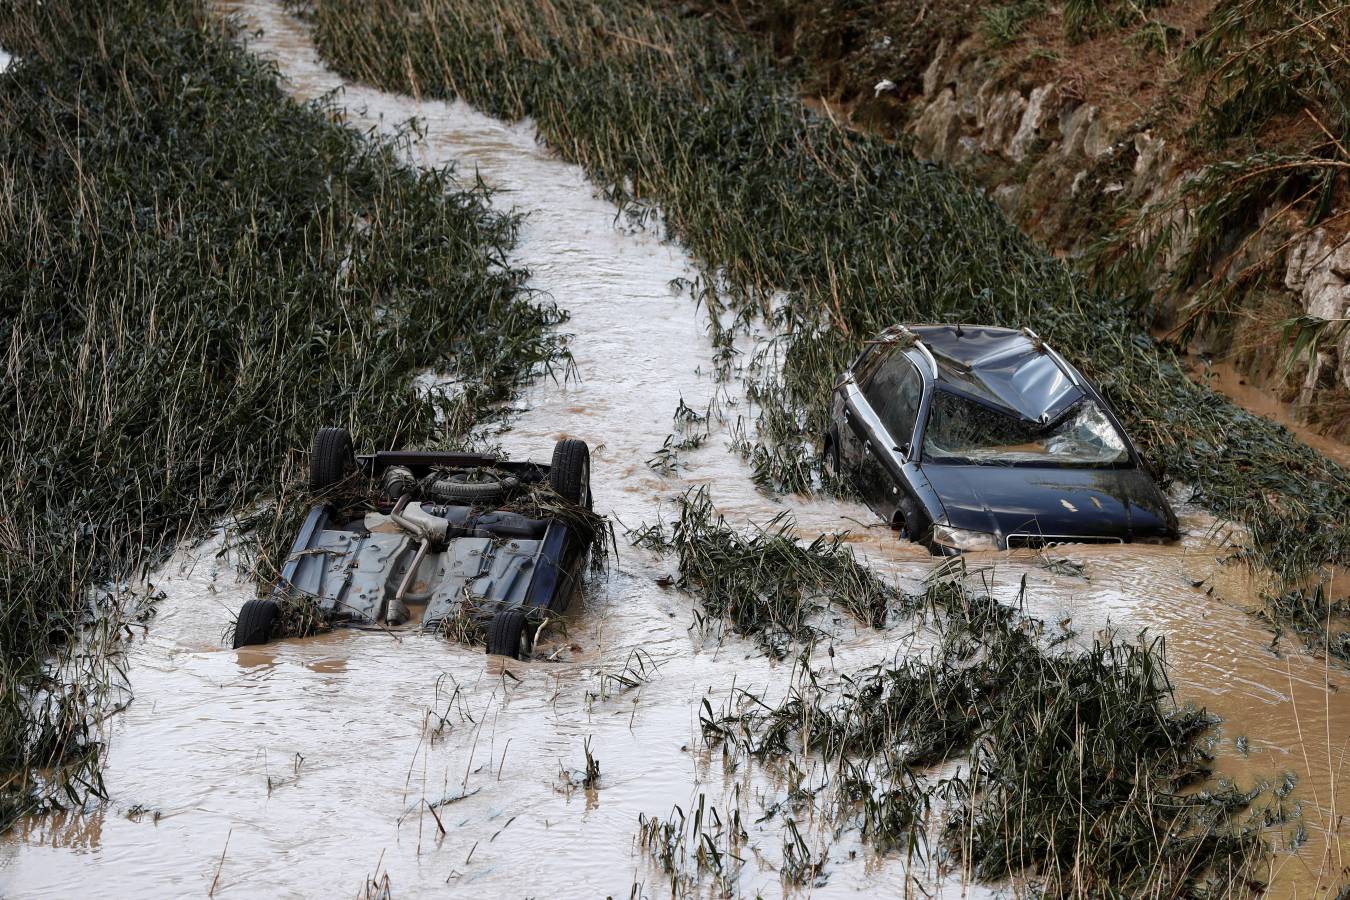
357 762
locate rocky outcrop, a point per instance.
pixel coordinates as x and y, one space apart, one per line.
1067 171
1056 150
1318 272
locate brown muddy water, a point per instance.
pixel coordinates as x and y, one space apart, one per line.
1227 380
357 761
1224 378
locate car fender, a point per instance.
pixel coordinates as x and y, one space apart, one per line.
924 504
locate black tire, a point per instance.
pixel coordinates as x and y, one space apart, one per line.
331 459
570 474
912 524
507 633
831 462
254 625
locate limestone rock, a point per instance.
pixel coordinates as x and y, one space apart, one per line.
1096 138
1074 122
1002 116
1007 197
936 129
1030 126
932 76
1319 272
1152 163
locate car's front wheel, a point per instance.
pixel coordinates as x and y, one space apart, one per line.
911 523
831 462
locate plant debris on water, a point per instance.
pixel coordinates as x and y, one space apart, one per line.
709 844
1075 766
1078 767
196 272
763 582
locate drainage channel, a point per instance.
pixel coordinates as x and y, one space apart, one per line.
321 766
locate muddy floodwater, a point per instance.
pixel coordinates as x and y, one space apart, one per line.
348 763
1227 380
1223 377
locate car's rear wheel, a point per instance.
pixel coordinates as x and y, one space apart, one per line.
570 474
508 635
331 459
254 625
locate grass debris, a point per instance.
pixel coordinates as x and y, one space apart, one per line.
1078 770
764 582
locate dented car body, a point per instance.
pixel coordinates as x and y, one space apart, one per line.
970 437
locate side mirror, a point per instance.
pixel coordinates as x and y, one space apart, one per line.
902 449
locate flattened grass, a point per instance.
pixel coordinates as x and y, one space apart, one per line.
1079 770
195 272
764 583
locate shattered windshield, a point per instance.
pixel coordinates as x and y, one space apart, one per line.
963 430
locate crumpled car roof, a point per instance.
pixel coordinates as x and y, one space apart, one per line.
1004 367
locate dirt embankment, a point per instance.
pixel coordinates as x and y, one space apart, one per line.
1095 126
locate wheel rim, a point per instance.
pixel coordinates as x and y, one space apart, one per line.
584 494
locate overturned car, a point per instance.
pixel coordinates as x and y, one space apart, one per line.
969 437
439 541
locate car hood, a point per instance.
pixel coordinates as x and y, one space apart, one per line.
1067 502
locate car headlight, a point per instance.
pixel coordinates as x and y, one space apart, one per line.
961 539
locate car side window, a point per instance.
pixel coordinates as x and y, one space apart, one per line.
894 391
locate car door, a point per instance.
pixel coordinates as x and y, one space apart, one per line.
880 412
845 411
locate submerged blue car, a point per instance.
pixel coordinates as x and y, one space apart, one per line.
968 437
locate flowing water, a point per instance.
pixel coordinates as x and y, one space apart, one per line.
1223 377
346 763
1227 380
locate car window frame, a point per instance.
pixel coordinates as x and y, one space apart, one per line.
872 363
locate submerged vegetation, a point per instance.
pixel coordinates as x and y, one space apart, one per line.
1076 761
195 272
765 584
1074 766
827 234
